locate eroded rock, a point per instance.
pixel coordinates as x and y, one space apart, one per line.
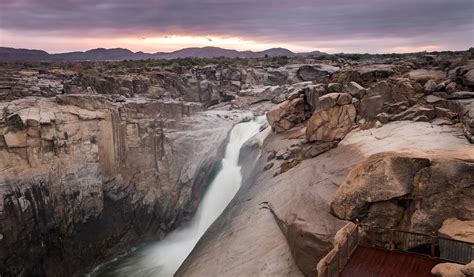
331 124
381 177
91 178
444 186
355 90
317 72
367 74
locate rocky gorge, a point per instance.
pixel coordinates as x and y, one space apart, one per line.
97 160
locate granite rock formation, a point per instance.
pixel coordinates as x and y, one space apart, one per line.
83 178
423 191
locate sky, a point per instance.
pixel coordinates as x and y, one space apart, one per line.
333 26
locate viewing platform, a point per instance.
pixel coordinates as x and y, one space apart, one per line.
369 251
375 262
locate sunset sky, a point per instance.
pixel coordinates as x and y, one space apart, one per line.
166 25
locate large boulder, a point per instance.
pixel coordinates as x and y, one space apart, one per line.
367 74
454 228
301 102
371 106
388 96
355 90
380 178
275 77
464 74
447 270
288 113
431 86
311 94
468 78
231 74
208 93
334 87
465 109
395 90
333 119
426 74
317 72
431 190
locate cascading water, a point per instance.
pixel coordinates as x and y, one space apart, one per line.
164 257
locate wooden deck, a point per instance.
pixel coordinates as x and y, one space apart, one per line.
374 262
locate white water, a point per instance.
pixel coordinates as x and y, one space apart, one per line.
163 258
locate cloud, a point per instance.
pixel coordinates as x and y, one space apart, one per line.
303 22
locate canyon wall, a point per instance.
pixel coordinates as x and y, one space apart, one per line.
83 178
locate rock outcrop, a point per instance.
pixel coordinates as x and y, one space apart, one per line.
331 116
465 74
84 178
333 119
293 111
369 73
318 73
423 191
465 110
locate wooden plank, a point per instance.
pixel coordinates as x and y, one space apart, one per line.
368 262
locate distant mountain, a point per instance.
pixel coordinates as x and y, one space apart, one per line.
97 54
115 54
9 54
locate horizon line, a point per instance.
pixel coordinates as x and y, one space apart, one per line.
232 49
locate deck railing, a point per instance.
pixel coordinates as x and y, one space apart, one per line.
334 262
429 245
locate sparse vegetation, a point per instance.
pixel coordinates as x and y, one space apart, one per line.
152 125
15 121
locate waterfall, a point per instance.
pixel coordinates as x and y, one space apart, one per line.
163 258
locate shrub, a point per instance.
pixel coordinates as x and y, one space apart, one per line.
15 121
